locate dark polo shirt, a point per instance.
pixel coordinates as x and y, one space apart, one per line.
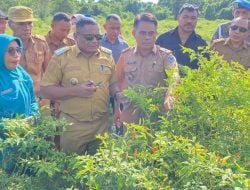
171 40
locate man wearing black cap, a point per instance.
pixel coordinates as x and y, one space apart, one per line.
241 8
3 22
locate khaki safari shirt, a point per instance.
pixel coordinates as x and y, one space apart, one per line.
149 71
241 55
54 45
70 67
35 59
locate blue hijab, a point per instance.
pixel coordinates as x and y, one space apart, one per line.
17 98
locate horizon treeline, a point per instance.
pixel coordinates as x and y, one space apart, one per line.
164 9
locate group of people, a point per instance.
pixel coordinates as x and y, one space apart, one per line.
76 74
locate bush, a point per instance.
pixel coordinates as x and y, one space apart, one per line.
202 143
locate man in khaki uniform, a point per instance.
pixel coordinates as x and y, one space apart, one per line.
58 36
241 8
235 47
82 77
35 57
144 64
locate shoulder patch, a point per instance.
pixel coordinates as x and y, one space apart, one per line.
169 52
42 38
60 51
106 50
171 59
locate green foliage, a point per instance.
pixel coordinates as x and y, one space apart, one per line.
202 143
212 107
164 9
30 160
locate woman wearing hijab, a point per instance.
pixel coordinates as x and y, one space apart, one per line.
17 97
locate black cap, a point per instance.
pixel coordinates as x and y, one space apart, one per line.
3 16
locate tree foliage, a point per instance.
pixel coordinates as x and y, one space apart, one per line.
210 9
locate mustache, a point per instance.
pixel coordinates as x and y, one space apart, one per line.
189 24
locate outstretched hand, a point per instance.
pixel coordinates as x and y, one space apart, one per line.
169 102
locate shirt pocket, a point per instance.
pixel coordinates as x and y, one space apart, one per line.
102 74
155 74
154 67
131 73
72 76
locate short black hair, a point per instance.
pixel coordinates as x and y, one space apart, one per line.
59 16
189 8
113 16
85 21
145 17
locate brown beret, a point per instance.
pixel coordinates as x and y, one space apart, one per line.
20 14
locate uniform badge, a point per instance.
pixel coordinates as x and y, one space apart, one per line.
131 62
74 81
171 59
101 68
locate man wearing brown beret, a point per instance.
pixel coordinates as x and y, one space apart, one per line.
35 56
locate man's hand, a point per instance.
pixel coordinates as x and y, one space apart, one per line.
86 89
168 103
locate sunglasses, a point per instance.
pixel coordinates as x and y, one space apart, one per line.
241 29
90 37
12 51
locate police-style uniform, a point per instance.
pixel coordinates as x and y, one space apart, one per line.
68 67
55 45
242 54
35 56
35 59
149 71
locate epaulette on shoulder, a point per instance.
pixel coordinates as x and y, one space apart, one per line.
62 50
39 37
125 50
106 50
167 51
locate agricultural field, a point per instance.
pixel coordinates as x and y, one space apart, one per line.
201 144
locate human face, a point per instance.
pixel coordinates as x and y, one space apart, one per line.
187 21
60 29
243 13
22 29
145 35
12 55
3 24
88 47
113 29
234 31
